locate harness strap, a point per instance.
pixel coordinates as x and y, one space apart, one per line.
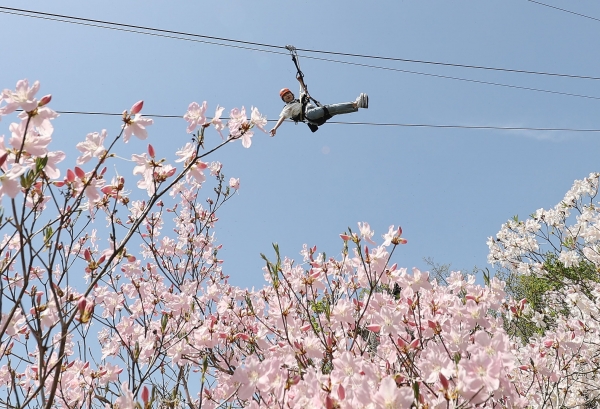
300 74
314 126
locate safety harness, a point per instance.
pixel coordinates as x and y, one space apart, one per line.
305 98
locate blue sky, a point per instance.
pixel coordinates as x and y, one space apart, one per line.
448 188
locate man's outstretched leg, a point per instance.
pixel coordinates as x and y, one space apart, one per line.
316 114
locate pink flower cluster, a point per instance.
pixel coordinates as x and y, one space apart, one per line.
139 313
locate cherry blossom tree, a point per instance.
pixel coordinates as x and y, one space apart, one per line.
114 295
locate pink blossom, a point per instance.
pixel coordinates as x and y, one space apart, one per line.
9 181
393 236
35 144
22 97
54 158
187 153
481 371
347 370
216 121
215 168
248 378
234 183
88 182
195 116
258 120
196 172
126 400
366 232
40 118
239 127
144 165
109 373
92 147
135 126
389 396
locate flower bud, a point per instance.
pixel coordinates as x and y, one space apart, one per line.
86 309
107 190
305 327
145 395
3 159
243 336
374 327
45 100
151 151
79 172
444 381
341 392
137 107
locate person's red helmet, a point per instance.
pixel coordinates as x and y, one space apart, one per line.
284 91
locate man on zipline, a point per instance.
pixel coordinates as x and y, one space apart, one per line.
300 110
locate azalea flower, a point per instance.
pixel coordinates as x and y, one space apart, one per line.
21 98
136 125
234 183
195 116
9 181
92 147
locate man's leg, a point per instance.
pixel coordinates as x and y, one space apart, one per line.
317 113
343 108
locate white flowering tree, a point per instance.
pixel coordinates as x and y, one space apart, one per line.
553 259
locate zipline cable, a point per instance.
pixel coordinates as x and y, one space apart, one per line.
565 10
390 124
497 84
32 13
142 32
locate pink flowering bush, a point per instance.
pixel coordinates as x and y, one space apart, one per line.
114 295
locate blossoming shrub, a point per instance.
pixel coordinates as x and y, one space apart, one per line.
115 296
553 258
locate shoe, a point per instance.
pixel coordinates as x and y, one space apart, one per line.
362 101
